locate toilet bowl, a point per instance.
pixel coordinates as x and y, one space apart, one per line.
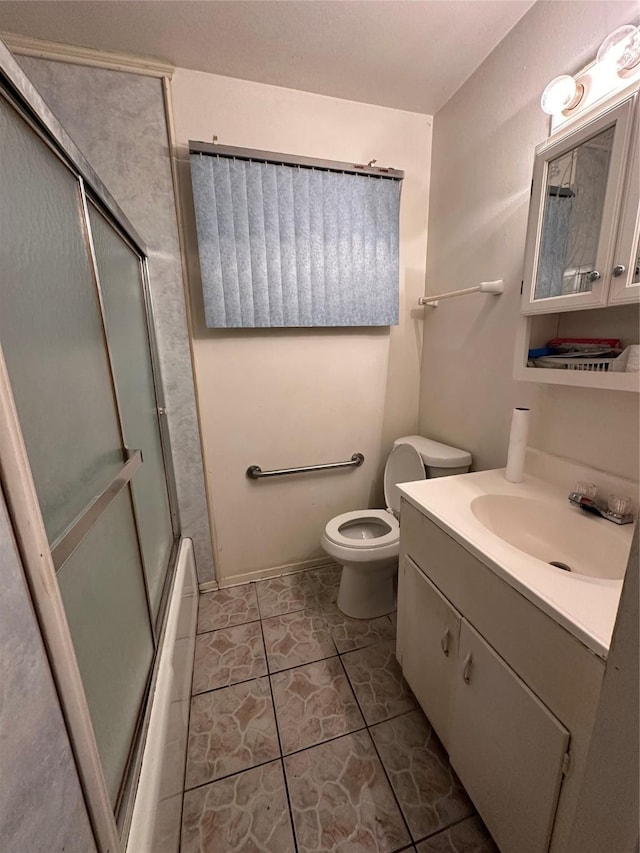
366 542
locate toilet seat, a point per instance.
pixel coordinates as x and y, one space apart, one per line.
333 534
403 465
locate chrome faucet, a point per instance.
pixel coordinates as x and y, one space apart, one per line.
587 503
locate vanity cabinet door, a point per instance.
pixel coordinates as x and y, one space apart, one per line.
577 190
625 265
430 632
507 748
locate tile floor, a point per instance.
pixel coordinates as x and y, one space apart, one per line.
304 737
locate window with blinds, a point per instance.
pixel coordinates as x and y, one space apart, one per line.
293 245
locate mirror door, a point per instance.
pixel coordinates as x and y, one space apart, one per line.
625 265
577 187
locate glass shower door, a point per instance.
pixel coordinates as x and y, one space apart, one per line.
120 277
53 338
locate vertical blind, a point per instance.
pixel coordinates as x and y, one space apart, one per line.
288 245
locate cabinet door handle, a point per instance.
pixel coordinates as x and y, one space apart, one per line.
466 672
444 642
594 275
619 269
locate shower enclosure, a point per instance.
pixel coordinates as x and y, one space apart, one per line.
82 394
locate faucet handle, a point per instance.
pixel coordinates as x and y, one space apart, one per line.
586 488
619 505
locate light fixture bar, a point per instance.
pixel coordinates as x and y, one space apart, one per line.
615 69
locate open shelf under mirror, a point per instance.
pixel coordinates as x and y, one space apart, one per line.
620 322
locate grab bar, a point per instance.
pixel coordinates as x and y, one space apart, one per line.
69 541
254 472
484 287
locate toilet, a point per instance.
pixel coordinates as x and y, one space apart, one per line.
366 542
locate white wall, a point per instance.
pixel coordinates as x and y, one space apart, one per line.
279 398
483 148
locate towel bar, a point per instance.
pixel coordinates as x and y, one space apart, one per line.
255 472
483 287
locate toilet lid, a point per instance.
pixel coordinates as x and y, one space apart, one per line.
403 465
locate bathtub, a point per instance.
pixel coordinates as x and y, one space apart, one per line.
155 823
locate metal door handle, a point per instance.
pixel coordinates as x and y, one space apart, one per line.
466 672
619 269
594 275
62 549
444 642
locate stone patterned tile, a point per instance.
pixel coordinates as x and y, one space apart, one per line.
228 607
429 792
296 638
228 656
377 680
230 730
469 836
247 813
349 634
341 800
326 583
286 594
314 703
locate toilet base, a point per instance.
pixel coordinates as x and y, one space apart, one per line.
368 590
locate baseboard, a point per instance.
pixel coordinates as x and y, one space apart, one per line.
273 572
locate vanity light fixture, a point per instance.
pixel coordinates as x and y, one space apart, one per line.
616 67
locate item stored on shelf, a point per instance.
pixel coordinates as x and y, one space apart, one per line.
573 362
584 344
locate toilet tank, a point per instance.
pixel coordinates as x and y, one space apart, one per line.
440 460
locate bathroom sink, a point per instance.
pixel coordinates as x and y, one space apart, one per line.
568 538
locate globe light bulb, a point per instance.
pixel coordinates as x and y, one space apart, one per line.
562 93
621 48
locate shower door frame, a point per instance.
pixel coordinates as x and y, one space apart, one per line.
23 504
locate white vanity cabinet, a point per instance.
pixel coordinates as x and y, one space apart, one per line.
507 747
511 694
431 655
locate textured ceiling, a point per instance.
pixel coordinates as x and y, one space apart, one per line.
408 54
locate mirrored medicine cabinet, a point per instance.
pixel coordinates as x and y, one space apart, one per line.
583 244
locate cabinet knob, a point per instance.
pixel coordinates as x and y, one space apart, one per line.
594 275
444 642
619 269
466 672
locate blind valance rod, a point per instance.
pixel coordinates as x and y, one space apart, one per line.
231 151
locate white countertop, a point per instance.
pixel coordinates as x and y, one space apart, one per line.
585 606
